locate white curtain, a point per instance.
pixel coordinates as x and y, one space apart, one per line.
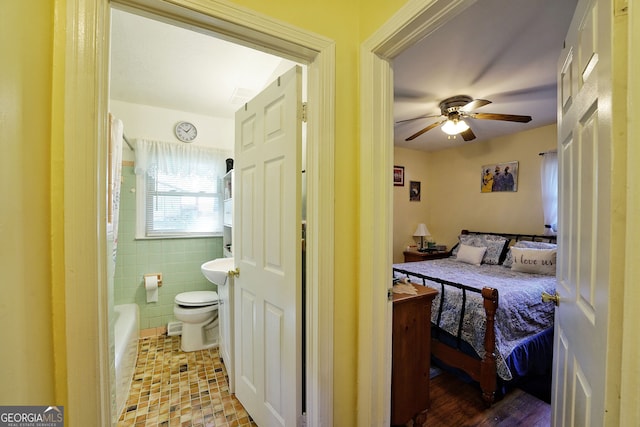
178 159
115 177
549 176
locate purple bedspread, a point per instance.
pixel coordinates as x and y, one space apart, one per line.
520 315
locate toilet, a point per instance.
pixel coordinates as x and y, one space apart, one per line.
198 312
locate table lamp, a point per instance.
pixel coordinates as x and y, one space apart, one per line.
421 231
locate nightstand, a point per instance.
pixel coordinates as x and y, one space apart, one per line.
414 256
411 355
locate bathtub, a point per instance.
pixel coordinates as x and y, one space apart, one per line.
125 333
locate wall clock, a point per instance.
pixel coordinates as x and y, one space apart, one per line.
185 131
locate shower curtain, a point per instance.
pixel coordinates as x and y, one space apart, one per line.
116 130
114 172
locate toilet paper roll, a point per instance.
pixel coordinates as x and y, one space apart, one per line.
151 286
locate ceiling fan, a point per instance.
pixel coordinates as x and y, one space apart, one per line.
455 109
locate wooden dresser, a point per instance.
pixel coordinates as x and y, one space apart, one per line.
411 355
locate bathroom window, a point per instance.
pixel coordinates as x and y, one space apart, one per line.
180 186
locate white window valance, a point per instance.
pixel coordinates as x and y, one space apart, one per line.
178 189
178 159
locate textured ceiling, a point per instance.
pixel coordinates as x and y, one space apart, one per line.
502 51
162 65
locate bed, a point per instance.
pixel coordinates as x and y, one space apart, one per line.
488 320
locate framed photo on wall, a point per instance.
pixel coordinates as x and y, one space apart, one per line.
499 177
398 176
414 191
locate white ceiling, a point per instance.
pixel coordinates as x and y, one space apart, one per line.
162 65
502 51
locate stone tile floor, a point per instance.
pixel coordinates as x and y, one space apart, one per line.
173 388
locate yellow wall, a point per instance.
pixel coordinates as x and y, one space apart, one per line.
32 166
26 361
408 214
451 197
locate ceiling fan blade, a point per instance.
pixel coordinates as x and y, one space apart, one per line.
428 128
419 117
505 117
474 105
468 135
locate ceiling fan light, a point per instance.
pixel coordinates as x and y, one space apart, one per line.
454 127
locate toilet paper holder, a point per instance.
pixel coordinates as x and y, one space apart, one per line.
157 275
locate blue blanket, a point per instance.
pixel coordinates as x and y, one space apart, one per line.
521 314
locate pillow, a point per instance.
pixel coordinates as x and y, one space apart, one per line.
470 254
539 261
496 246
536 245
466 239
527 244
496 249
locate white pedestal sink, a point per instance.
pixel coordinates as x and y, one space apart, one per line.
216 271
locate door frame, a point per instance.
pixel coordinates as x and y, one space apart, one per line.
413 22
81 63
630 380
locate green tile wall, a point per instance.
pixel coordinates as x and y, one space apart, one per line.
178 260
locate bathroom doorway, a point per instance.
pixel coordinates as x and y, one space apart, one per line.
163 74
85 106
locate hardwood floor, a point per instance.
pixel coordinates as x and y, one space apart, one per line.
456 403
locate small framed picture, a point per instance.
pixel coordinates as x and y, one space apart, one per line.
398 176
499 177
414 191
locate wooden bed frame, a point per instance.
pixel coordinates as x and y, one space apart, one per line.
483 371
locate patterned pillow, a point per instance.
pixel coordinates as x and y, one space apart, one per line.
536 245
496 246
496 249
527 244
466 239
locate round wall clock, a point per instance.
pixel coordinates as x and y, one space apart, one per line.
186 132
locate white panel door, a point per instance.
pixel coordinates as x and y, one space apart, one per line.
584 153
267 250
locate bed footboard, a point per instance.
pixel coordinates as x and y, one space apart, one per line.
484 370
488 381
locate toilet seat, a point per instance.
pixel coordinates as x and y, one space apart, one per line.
197 299
193 313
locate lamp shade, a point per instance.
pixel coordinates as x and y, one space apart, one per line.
422 231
